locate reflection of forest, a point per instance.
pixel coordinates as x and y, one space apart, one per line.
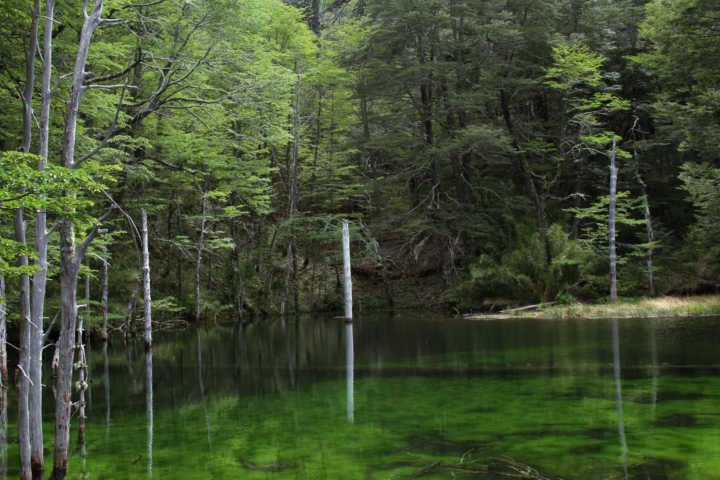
277 356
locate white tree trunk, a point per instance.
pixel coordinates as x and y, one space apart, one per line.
198 262
41 263
24 359
347 270
70 258
611 229
23 365
105 296
81 366
146 282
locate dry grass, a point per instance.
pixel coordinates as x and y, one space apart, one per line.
695 306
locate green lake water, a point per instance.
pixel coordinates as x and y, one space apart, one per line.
410 396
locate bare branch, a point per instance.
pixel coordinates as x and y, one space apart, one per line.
91 236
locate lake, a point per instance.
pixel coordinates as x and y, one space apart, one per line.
415 395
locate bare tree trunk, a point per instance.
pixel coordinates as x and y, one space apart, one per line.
146 283
81 366
179 273
23 371
650 236
23 366
611 229
105 296
270 271
238 284
70 258
198 262
3 379
41 264
293 177
347 271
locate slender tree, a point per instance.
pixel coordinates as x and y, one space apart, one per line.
71 255
611 221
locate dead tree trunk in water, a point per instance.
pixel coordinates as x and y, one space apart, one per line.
611 229
41 265
198 262
81 382
24 360
146 283
70 256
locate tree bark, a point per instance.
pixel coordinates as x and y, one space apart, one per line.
25 355
611 229
146 283
130 312
70 258
198 261
41 264
105 296
347 271
650 236
292 181
81 366
23 366
3 379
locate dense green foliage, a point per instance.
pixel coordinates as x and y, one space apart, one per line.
467 140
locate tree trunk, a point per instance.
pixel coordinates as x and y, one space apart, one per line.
41 264
238 284
26 334
146 283
69 258
315 21
130 312
23 366
81 366
3 380
347 271
105 296
198 261
179 274
650 236
292 181
611 229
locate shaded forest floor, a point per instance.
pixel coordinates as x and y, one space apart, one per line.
692 306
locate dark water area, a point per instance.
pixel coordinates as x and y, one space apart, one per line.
414 395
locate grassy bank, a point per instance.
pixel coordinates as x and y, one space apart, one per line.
701 305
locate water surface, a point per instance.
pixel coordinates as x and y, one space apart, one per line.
411 396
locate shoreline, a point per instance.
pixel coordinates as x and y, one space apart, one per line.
661 307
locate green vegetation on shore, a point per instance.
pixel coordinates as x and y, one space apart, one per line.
670 306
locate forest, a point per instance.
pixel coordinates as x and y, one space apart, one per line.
213 148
